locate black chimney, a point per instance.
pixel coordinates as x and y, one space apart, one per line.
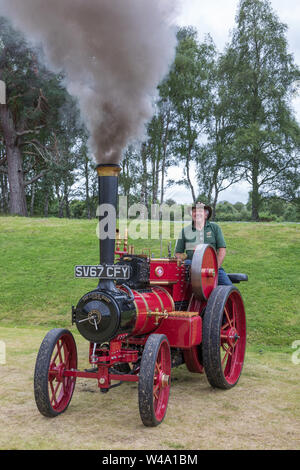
108 178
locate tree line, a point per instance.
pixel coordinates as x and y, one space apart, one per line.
221 118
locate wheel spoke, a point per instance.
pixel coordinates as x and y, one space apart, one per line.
228 352
54 393
156 391
158 362
224 358
59 347
228 317
223 333
223 346
234 314
64 384
58 352
55 356
67 357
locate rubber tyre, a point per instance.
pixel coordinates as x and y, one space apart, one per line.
153 391
58 350
224 331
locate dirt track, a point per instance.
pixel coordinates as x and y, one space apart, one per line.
261 412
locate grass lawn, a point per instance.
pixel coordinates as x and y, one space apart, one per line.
261 412
37 259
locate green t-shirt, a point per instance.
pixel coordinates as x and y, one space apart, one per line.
190 238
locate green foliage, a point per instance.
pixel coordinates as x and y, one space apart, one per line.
272 209
228 115
239 206
189 90
44 126
261 75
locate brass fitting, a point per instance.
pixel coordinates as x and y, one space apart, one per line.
108 170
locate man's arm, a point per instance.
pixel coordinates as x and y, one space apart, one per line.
220 256
221 245
180 247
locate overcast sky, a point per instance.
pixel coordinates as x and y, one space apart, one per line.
217 17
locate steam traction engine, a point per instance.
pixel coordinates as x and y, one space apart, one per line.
145 317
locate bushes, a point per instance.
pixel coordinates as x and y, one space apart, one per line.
226 212
271 211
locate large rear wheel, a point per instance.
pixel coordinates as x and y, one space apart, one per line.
224 337
53 391
154 380
193 357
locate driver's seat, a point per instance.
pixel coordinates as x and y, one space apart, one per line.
236 278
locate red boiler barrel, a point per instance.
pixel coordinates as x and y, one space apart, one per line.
148 303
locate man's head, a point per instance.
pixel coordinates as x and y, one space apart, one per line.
201 212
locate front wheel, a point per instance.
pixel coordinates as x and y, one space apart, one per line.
154 380
53 391
224 337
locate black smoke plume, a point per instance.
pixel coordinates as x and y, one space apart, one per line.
113 53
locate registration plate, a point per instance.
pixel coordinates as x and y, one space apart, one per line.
103 272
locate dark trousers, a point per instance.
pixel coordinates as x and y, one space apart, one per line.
223 279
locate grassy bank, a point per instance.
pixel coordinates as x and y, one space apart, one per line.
37 285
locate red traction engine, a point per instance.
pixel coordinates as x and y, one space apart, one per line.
145 317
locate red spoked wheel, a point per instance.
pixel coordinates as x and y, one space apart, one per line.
224 337
52 390
154 380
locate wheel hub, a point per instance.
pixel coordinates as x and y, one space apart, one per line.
232 337
164 380
56 372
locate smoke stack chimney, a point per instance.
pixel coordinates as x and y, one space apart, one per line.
108 178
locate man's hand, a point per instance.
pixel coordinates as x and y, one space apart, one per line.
181 256
220 256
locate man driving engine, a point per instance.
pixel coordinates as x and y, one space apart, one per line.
202 231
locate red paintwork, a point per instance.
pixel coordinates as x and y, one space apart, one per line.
168 284
115 354
209 264
173 278
154 306
146 302
102 372
171 270
183 333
